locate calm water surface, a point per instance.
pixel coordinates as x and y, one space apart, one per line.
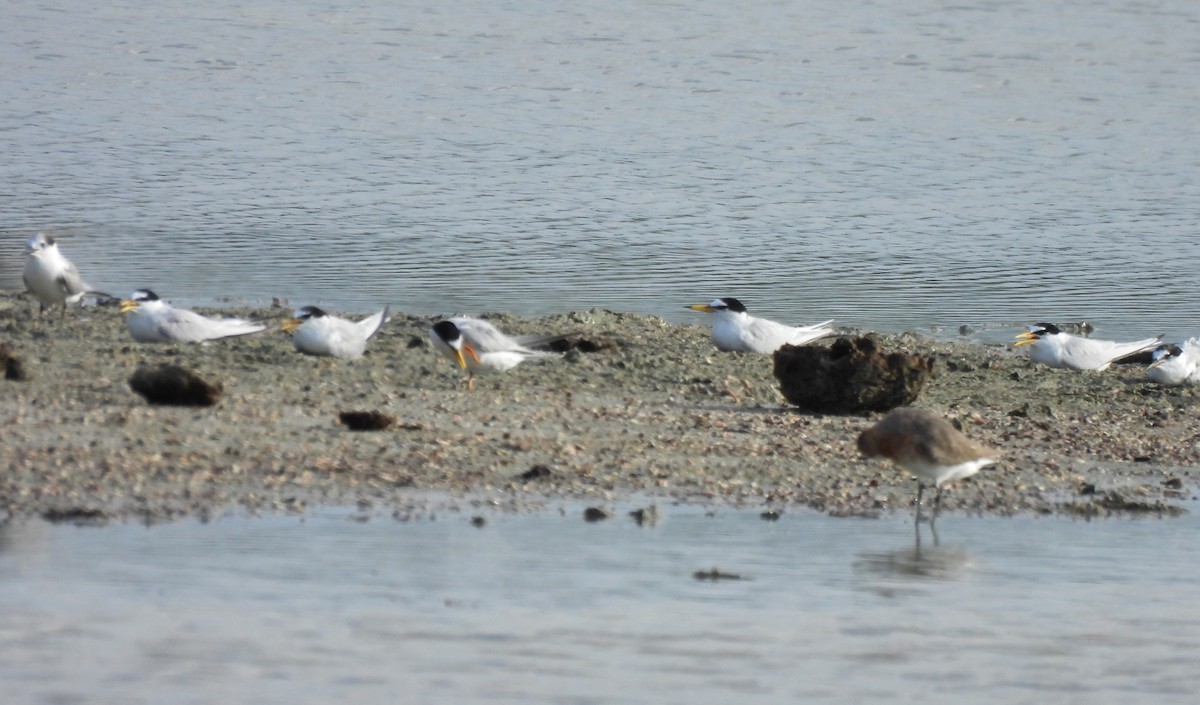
894 165
545 608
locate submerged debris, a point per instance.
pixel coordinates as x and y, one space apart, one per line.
716 574
81 516
645 516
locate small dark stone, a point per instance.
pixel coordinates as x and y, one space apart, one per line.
416 341
1142 459
1087 488
770 515
1173 484
537 472
366 420
478 522
851 376
175 386
594 514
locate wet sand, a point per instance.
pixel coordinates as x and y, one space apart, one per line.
655 411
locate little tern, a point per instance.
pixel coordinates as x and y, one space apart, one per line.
50 276
315 332
735 330
1176 364
152 320
1051 347
478 346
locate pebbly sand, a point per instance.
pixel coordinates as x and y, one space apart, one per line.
656 414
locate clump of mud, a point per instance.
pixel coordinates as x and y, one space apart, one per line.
366 420
173 385
14 367
849 377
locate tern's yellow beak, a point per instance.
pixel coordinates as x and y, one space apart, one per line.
1025 339
128 305
461 359
290 325
701 307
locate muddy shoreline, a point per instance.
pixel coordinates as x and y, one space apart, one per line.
654 411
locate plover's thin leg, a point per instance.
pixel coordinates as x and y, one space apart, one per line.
937 505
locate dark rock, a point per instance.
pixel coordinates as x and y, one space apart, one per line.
366 420
1173 484
849 377
770 515
14 368
537 472
595 514
478 522
175 386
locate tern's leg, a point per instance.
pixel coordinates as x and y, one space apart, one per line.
920 491
470 381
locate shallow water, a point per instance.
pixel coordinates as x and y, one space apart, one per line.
545 608
897 166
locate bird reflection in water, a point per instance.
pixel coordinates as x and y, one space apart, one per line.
924 560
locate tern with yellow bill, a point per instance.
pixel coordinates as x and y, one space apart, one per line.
478 346
315 332
735 330
152 320
1051 347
